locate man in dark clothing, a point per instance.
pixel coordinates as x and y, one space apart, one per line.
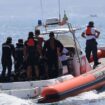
50 49
39 40
42 62
19 55
8 51
31 56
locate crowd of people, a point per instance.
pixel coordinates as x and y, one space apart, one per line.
35 58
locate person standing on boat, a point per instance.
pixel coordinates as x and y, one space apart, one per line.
19 56
50 49
8 51
63 59
42 62
91 34
39 40
31 56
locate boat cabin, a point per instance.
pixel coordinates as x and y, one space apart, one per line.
76 57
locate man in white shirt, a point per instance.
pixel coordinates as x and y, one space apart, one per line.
91 34
63 60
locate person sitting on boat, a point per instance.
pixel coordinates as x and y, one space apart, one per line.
63 59
50 51
8 51
91 34
19 56
31 56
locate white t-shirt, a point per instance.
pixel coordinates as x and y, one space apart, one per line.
64 56
91 36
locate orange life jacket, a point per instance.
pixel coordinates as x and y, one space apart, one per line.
88 31
31 42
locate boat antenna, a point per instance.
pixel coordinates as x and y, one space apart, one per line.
73 33
65 16
59 5
41 4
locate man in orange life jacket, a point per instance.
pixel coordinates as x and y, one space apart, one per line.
91 45
31 56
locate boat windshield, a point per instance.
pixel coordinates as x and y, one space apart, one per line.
62 33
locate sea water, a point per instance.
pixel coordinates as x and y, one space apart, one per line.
17 18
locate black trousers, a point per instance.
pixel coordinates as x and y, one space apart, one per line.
53 68
91 47
18 65
6 65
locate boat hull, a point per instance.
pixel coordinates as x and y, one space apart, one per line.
29 89
93 79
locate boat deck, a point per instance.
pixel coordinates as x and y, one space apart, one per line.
102 61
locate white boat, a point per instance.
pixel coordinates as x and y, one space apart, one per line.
78 65
29 89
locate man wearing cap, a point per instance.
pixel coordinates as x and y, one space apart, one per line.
91 34
8 51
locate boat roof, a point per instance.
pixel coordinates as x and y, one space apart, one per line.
58 30
67 41
62 33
